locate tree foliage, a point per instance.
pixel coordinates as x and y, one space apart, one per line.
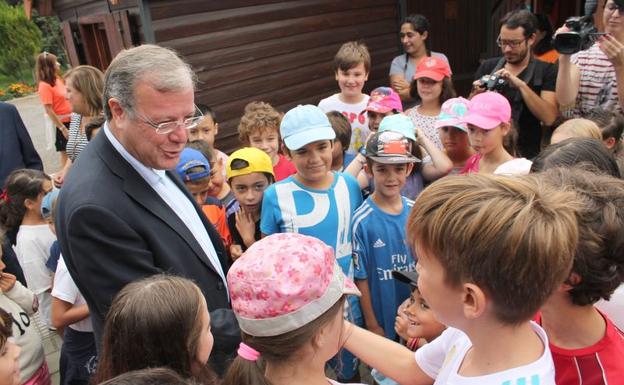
20 40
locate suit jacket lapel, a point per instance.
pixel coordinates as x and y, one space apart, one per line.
146 196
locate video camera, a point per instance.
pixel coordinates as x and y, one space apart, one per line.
581 36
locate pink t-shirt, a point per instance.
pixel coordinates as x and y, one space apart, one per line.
283 169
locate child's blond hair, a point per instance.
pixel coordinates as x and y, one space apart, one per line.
579 128
258 116
514 237
350 55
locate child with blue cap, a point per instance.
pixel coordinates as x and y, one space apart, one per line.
316 201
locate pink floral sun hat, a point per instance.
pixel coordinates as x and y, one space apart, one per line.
283 282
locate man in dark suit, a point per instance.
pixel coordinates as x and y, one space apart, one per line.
16 147
120 215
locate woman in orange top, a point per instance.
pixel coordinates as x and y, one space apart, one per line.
51 90
543 49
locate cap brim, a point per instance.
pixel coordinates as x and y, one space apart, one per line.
312 134
394 159
458 123
339 285
481 121
429 74
378 108
409 277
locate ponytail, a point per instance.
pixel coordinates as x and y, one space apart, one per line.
245 372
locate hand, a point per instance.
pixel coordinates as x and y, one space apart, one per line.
245 224
400 326
613 49
512 79
64 131
7 281
400 85
236 251
58 179
477 88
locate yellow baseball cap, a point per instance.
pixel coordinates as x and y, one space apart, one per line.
248 160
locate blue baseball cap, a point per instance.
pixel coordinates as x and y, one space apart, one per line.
47 202
305 124
190 159
398 123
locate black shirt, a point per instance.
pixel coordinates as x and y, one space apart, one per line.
236 237
526 124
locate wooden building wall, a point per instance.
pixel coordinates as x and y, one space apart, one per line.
280 52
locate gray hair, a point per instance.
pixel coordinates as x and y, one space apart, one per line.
161 67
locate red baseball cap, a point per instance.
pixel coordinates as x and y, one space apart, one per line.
432 67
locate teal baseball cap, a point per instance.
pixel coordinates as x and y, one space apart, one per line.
398 123
305 124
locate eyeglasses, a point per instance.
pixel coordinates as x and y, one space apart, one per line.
611 7
167 127
511 43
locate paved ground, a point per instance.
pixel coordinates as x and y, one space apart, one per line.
32 113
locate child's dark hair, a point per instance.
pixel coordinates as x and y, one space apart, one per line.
350 55
577 151
203 147
341 127
448 90
20 185
154 322
513 237
276 349
151 376
6 327
95 124
206 111
599 257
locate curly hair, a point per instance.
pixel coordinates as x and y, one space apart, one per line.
599 257
258 116
6 327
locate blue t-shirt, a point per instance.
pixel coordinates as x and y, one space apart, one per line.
379 247
290 207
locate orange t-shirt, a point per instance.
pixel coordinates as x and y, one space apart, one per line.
216 216
549 57
55 96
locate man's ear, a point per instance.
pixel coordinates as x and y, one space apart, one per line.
531 39
116 109
216 128
474 301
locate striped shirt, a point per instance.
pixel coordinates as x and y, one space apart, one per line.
599 364
598 85
77 139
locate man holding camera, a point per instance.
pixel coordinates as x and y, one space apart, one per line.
528 83
594 78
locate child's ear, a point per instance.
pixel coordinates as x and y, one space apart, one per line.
410 167
474 301
505 128
573 280
610 142
29 204
368 170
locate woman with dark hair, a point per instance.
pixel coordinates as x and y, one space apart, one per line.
587 152
414 38
51 90
543 49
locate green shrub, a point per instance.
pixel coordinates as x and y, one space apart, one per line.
20 40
